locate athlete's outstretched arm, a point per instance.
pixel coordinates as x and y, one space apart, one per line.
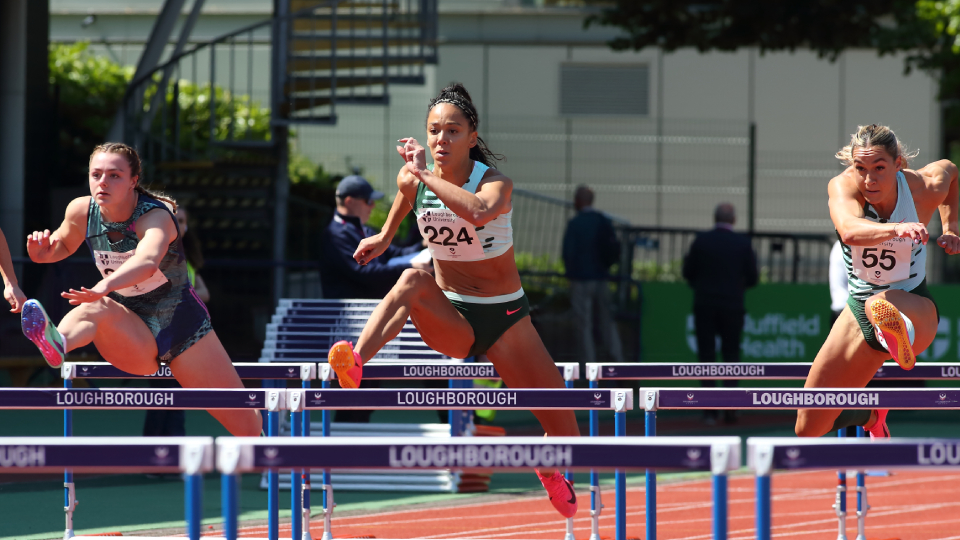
156 230
947 174
47 247
372 247
11 289
854 229
478 208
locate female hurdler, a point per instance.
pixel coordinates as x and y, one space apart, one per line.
144 311
475 305
880 210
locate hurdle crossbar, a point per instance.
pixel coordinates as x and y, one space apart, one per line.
246 370
801 398
719 455
142 398
766 454
755 371
460 399
191 456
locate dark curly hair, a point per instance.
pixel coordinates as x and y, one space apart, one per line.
457 95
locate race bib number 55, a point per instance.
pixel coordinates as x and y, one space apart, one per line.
449 236
883 263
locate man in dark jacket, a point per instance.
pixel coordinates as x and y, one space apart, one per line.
340 275
720 266
590 247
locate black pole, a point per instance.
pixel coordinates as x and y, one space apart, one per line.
752 179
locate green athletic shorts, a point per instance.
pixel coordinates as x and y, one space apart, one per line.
857 307
490 321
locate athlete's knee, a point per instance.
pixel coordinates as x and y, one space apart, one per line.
411 281
99 311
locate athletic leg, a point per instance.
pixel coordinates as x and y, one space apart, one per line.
416 295
523 362
844 361
207 365
121 337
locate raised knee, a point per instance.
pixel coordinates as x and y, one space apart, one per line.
410 280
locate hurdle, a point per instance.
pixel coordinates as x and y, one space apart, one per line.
719 455
766 454
69 399
466 399
783 371
191 456
801 398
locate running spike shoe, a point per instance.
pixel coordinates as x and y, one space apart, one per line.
38 329
346 363
879 430
893 333
562 496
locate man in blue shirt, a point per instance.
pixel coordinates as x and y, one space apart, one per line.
340 275
590 247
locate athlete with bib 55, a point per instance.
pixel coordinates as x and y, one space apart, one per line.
143 313
881 210
475 305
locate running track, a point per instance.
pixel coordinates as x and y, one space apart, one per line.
905 506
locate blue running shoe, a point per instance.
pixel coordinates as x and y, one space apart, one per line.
38 329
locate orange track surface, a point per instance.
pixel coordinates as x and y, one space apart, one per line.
906 506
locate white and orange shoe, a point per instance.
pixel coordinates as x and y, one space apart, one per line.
562 496
879 429
42 332
893 333
346 363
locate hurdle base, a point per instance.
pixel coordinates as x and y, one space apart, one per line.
69 508
595 514
862 514
327 514
841 513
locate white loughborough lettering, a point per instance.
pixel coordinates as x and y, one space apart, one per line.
807 399
718 370
473 372
22 456
441 397
951 371
106 398
501 455
938 454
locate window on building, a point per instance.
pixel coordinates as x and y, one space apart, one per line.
598 89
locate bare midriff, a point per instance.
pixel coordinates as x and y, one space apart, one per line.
488 277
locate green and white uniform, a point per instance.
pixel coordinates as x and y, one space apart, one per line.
452 238
895 264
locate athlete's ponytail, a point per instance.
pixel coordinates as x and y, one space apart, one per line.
133 160
457 95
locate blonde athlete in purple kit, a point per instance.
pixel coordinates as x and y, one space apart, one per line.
881 209
475 305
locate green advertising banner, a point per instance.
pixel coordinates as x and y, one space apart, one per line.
783 323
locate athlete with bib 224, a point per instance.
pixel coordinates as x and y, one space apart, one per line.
144 311
880 210
475 305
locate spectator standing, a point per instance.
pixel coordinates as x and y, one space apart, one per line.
720 266
343 277
590 247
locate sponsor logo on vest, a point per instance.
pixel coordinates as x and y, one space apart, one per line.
718 370
107 398
441 397
807 399
467 371
22 456
938 454
488 455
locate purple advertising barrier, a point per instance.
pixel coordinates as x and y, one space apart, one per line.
766 454
191 456
458 399
759 371
423 371
141 398
719 455
801 398
246 370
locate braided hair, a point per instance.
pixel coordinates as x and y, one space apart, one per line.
133 160
456 95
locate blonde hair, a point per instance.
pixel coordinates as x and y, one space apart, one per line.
876 135
133 160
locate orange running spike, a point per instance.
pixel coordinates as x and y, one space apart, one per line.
894 330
